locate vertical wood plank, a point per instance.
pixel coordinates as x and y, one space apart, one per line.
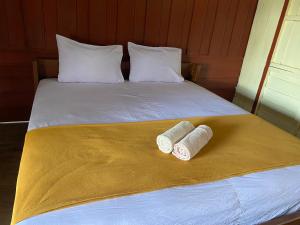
34 23
155 20
247 26
125 28
83 20
15 24
242 26
187 26
67 17
210 18
111 21
4 38
152 24
180 20
197 27
176 23
220 26
103 21
164 22
232 16
139 20
50 19
97 20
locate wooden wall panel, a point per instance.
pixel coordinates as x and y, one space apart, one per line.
103 21
50 23
82 20
139 20
225 15
67 17
157 19
16 91
202 26
33 14
15 24
180 23
211 32
242 27
97 27
111 21
3 25
125 23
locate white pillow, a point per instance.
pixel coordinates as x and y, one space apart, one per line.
154 63
88 63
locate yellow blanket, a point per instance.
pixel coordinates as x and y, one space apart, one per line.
67 165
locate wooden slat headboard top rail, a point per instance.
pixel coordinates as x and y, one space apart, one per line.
48 68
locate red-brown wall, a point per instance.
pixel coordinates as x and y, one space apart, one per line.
211 32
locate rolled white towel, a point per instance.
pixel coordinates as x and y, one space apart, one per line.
166 140
192 143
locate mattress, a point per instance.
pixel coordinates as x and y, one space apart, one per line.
248 199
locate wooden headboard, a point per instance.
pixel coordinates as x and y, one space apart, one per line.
48 68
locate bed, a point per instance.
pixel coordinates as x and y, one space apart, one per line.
249 199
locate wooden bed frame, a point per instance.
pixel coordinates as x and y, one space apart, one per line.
48 68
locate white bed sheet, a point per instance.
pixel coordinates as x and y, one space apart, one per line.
249 199
74 103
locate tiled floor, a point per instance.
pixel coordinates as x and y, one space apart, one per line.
11 144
